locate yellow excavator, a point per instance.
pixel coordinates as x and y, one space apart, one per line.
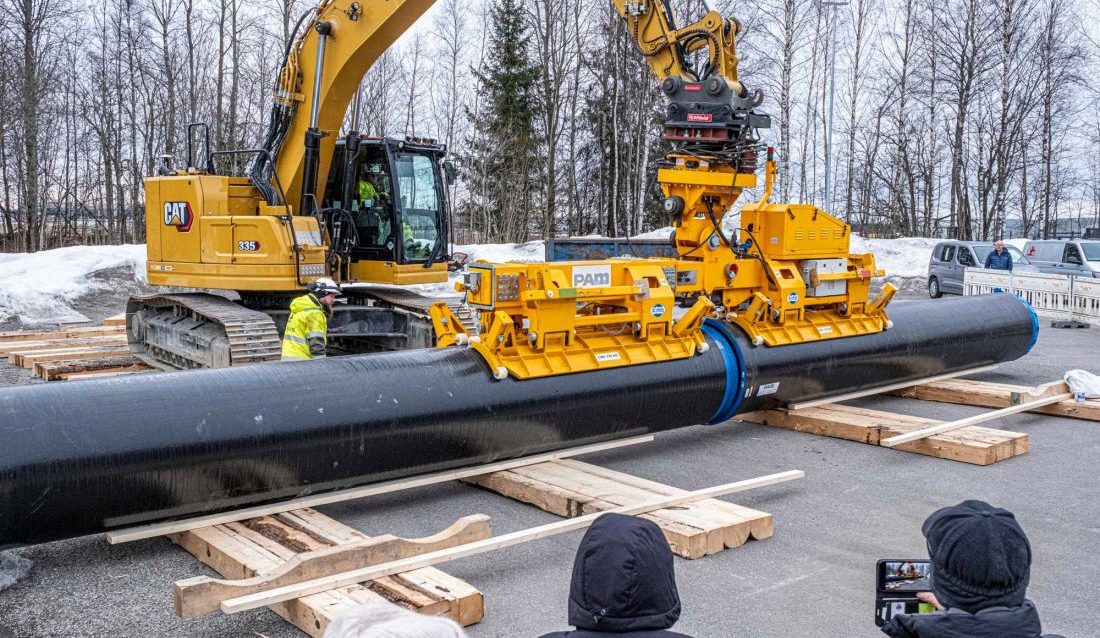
315 203
364 210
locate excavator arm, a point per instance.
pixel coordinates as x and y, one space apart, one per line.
334 46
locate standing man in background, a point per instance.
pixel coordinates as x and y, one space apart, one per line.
306 335
1000 258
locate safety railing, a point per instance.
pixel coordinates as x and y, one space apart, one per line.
1058 297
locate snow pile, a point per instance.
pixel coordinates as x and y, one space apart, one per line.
906 257
660 233
40 287
531 251
13 567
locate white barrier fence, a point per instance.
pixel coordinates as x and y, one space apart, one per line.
1057 297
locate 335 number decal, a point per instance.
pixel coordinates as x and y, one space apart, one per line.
246 246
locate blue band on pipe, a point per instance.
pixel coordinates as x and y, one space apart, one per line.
724 340
1034 322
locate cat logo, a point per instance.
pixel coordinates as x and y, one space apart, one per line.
178 214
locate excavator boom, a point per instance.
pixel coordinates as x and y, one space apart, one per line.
338 44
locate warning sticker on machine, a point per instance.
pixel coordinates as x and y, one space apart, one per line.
607 356
825 330
768 388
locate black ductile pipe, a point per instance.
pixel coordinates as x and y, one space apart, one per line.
90 456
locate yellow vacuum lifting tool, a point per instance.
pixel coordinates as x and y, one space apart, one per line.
787 277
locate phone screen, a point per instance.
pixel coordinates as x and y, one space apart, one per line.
898 583
906 576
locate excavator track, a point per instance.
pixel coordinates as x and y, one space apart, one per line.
419 304
199 330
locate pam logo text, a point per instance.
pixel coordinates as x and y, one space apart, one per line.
178 214
591 276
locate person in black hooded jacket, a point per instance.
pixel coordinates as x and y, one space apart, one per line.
623 582
981 564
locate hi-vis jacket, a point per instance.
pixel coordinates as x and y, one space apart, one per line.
306 331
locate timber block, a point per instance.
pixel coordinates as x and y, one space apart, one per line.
1002 395
62 370
260 545
571 488
67 333
976 445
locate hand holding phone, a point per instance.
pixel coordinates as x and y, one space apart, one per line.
898 581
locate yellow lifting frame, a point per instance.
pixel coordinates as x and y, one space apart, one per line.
551 330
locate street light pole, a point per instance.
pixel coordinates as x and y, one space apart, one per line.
827 201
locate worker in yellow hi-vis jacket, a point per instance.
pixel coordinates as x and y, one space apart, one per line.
306 335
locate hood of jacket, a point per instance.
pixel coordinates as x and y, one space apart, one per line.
623 578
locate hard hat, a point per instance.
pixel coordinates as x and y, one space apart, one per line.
324 286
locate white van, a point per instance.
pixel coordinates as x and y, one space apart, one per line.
1080 258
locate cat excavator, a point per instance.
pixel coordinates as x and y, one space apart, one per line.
361 210
373 211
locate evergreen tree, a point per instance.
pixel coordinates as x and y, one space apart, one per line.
502 164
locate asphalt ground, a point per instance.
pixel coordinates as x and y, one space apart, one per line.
815 577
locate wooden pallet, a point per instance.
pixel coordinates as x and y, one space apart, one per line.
571 488
264 545
976 445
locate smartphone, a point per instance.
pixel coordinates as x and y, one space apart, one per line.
898 581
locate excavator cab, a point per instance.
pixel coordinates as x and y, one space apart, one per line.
386 210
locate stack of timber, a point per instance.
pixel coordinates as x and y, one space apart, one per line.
963 440
73 353
301 544
571 488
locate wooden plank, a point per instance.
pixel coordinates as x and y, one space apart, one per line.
59 370
742 521
20 335
116 320
465 603
162 529
245 549
234 556
975 445
951 426
202 595
27 360
571 488
999 395
139 368
334 581
886 388
32 346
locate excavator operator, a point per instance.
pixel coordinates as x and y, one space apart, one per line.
373 216
306 335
